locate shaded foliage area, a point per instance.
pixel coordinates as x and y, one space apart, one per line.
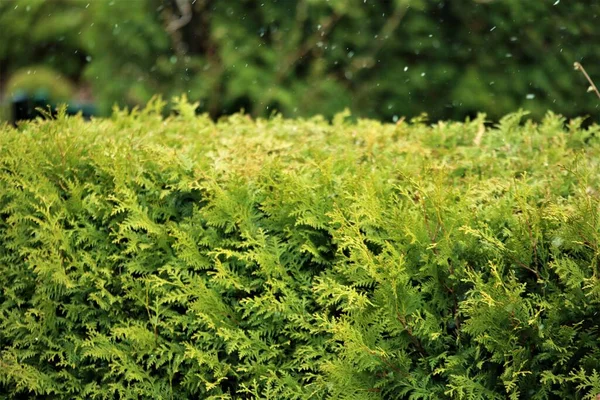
143 257
380 58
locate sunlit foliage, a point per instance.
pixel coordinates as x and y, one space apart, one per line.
144 257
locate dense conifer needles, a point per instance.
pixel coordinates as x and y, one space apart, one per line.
151 257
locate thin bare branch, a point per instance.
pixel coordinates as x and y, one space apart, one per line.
326 28
593 88
185 9
386 32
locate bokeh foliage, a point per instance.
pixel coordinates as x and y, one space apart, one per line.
380 58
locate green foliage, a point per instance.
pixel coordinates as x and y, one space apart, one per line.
379 58
40 31
40 79
151 257
4 112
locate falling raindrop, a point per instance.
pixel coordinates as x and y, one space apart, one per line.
556 3
491 30
530 96
88 58
406 68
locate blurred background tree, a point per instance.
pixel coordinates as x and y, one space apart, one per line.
382 59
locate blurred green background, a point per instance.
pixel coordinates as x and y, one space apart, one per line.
382 59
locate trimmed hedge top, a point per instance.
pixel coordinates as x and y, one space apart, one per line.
144 257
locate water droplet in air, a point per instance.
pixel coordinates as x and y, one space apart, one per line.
530 96
406 68
491 30
88 58
556 3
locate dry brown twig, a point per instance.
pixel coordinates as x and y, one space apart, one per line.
592 88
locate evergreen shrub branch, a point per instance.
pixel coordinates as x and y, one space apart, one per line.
152 257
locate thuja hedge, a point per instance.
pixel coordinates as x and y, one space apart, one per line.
152 257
